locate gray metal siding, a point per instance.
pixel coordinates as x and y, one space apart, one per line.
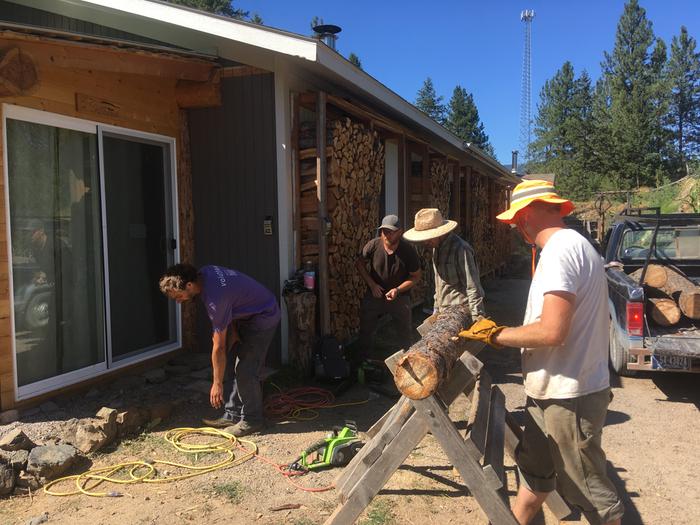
234 186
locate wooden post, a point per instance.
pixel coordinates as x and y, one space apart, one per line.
403 183
468 202
321 192
296 181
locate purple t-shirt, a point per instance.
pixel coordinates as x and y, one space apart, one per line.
229 295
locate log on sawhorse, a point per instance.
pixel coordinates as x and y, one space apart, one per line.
403 427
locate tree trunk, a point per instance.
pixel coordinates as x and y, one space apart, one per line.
675 285
664 312
421 372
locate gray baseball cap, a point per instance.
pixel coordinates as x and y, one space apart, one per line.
390 222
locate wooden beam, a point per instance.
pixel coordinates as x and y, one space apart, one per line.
296 180
468 201
191 94
242 71
403 183
321 179
92 57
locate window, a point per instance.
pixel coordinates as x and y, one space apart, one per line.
92 226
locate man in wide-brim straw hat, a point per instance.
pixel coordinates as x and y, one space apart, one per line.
564 341
456 271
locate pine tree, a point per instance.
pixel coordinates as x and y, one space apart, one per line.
219 7
633 74
429 103
463 120
563 129
257 19
354 59
683 118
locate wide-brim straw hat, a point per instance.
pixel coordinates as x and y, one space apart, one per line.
530 191
429 224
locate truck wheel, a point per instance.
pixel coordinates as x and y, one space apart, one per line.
619 356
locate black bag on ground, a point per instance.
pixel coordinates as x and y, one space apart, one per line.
329 361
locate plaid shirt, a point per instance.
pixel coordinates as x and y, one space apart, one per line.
457 276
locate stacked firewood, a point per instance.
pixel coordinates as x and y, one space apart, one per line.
355 174
490 238
671 295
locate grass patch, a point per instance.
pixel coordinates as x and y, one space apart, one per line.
380 513
231 491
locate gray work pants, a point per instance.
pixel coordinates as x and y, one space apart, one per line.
242 377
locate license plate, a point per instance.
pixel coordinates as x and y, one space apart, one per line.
670 362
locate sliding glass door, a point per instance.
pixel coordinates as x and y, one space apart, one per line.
91 224
140 243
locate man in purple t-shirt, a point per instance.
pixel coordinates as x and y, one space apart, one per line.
241 310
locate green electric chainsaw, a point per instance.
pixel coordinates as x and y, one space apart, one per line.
336 450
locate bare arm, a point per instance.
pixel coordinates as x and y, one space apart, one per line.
413 278
218 363
551 330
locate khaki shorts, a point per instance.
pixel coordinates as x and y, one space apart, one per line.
561 448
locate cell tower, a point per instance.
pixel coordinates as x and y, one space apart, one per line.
526 16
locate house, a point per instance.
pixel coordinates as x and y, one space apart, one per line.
138 133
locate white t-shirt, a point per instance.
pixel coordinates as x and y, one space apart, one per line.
569 263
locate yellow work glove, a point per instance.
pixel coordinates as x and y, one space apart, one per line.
483 330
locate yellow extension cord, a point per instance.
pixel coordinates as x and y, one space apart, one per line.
176 437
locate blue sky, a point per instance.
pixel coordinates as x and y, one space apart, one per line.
478 45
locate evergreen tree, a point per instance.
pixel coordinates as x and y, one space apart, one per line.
563 129
463 120
219 7
683 119
257 19
354 59
634 77
429 103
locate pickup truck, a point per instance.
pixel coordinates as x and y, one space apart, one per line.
636 238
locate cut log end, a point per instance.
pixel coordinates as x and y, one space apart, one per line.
689 303
416 376
664 312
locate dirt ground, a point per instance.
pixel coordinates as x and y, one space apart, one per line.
652 438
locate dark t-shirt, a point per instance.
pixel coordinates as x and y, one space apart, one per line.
389 271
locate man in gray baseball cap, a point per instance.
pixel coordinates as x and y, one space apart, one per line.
394 268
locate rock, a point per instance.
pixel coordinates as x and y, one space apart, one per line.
129 421
16 440
17 459
203 387
155 376
91 436
92 393
29 412
38 520
193 360
204 373
108 414
160 411
177 370
51 461
27 481
9 416
128 383
48 407
7 480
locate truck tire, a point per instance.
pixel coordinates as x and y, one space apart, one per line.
619 356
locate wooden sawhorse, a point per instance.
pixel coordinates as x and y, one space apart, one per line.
491 431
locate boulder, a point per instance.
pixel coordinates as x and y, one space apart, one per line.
17 459
155 376
91 436
160 411
7 480
49 407
201 386
204 373
9 416
107 422
16 440
51 461
129 421
177 370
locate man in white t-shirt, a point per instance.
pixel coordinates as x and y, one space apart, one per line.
564 341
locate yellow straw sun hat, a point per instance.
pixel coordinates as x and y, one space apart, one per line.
530 191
